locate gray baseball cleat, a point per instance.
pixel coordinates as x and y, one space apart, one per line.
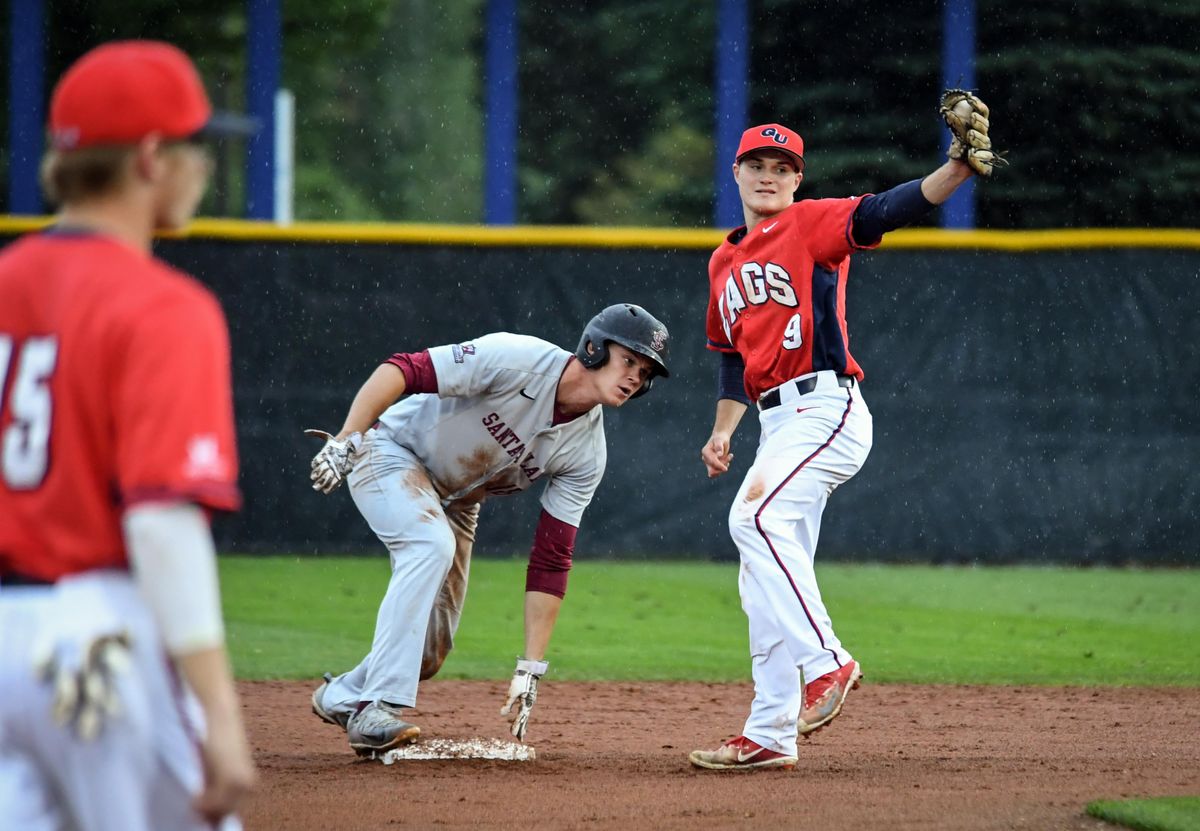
379 727
318 705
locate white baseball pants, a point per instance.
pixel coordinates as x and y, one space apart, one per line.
142 771
430 551
809 445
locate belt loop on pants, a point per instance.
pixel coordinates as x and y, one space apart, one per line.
772 398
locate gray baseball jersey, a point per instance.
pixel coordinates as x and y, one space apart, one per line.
490 430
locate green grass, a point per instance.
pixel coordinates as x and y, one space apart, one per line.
1180 813
290 617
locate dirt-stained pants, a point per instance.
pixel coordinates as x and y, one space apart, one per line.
430 550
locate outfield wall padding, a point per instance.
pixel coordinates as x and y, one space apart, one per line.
1034 407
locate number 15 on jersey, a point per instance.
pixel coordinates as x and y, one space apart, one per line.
24 446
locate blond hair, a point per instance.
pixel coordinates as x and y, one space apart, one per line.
74 175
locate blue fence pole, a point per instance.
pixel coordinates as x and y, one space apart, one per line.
958 70
501 117
732 84
26 105
264 46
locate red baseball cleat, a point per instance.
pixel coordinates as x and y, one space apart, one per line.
824 697
741 754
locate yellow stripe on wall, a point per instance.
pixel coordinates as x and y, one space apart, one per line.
575 236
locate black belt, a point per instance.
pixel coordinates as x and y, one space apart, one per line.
803 387
14 579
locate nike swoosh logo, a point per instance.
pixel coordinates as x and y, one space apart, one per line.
767 230
527 395
802 409
746 757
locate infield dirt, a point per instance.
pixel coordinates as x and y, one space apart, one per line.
614 756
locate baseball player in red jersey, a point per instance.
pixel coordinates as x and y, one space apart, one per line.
777 315
116 441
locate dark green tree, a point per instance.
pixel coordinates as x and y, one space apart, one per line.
616 112
1094 101
1101 101
858 81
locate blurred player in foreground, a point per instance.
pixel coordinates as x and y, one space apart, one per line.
116 440
776 314
488 417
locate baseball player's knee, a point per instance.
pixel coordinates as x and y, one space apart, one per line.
743 526
432 552
751 527
745 535
762 646
442 544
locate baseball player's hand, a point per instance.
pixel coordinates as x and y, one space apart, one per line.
716 454
522 694
228 770
333 464
85 691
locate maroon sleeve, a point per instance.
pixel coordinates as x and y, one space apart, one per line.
419 374
550 559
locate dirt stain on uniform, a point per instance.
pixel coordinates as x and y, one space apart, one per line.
472 467
447 608
754 492
474 496
416 482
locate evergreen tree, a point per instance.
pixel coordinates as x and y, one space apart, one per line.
1094 101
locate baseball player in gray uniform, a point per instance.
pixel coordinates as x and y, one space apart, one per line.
488 417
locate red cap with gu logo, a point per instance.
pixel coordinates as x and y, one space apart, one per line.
772 137
123 91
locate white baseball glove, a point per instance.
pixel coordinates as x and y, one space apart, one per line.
522 692
85 689
333 464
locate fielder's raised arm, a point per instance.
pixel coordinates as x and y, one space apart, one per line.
777 316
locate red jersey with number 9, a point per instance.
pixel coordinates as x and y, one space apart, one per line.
777 295
114 390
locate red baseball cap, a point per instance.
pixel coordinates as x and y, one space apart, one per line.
772 137
120 92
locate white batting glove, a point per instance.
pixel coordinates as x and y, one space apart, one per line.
522 692
85 692
333 464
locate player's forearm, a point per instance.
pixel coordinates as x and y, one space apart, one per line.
731 377
381 390
541 613
208 675
938 186
729 415
228 763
